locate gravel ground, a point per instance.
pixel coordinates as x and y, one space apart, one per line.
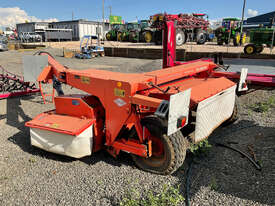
30 176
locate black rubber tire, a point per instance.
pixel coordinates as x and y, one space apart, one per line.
174 148
235 115
250 49
158 37
132 36
201 38
180 37
220 42
259 49
147 40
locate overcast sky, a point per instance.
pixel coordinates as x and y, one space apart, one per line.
18 11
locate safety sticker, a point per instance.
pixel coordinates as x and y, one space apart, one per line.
54 125
119 102
119 92
85 80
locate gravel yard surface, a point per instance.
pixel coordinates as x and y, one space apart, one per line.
30 176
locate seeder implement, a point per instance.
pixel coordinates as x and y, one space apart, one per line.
12 85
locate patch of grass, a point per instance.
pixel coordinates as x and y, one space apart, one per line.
32 160
169 196
263 107
201 149
3 178
99 182
213 184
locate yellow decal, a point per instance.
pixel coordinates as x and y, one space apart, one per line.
55 125
85 80
119 92
119 84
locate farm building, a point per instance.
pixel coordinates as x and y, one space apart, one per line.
255 22
64 30
81 27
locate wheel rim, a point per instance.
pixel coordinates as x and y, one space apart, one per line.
158 153
119 36
179 39
249 49
238 38
124 36
108 36
148 37
244 38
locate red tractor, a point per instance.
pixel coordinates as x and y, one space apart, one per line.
188 27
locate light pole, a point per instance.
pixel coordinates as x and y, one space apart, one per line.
110 7
103 24
244 3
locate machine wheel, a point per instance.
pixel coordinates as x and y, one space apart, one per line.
201 37
147 36
132 36
237 39
259 48
250 49
124 36
119 36
108 37
220 42
235 115
168 152
180 37
158 37
243 38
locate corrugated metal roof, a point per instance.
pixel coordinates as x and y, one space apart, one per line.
264 18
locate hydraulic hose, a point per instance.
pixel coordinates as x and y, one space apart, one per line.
258 167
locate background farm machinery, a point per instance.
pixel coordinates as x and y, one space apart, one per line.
88 49
230 29
132 31
141 33
259 38
115 34
189 27
12 85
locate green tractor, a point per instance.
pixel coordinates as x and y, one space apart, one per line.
115 34
259 38
128 32
230 29
142 33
